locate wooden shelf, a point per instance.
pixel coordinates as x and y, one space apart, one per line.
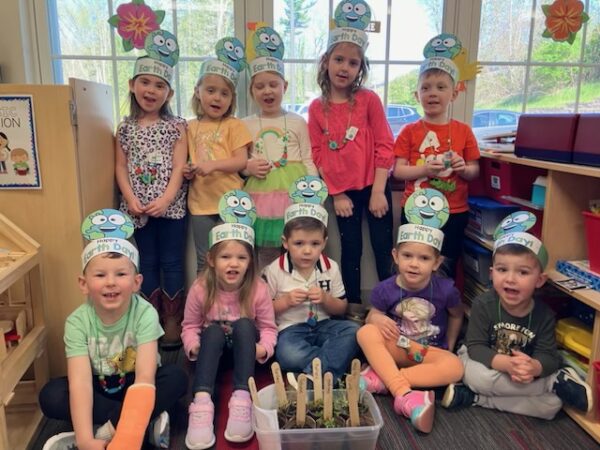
487 243
586 421
558 167
588 296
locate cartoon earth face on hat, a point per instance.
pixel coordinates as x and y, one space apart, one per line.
427 207
162 45
237 207
444 45
267 42
107 223
308 189
519 221
230 50
352 14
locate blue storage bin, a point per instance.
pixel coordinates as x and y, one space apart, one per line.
485 214
477 261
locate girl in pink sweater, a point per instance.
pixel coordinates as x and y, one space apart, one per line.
228 310
352 149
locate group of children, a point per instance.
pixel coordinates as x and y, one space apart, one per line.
253 302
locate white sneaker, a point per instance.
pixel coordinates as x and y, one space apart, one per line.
292 379
61 441
105 432
159 431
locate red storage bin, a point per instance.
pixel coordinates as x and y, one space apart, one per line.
592 231
548 137
586 149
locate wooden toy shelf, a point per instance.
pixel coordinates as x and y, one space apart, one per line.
23 358
568 190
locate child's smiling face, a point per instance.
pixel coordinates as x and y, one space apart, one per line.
267 89
215 96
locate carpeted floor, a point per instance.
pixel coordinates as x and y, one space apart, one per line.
470 428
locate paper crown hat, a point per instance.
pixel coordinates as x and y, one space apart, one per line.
265 50
108 231
427 211
351 18
230 60
307 194
139 27
237 210
513 230
443 64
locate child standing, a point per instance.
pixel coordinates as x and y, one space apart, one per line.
281 151
228 309
439 152
307 290
112 353
510 358
352 149
415 317
150 155
218 142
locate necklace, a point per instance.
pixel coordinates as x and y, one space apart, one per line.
431 141
101 376
528 318
331 143
313 314
145 164
260 145
205 152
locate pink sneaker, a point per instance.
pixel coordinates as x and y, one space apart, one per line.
239 424
419 407
370 381
200 432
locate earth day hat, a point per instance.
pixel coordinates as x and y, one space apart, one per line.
351 18
444 64
229 62
108 231
307 194
138 26
237 210
513 230
427 211
265 50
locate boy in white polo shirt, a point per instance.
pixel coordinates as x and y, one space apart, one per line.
307 290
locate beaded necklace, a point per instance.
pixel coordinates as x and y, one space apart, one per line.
331 143
313 314
101 376
260 145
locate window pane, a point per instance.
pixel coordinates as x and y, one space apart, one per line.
91 70
303 27
500 87
548 50
82 28
504 31
200 24
589 97
302 86
546 96
188 76
376 49
414 22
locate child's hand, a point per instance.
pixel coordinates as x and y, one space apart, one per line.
386 325
194 350
204 168
189 171
135 206
524 368
343 205
433 167
258 167
261 352
296 297
157 207
316 294
378 204
458 163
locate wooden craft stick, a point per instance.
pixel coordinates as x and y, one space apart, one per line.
328 396
355 371
279 385
317 379
352 390
301 401
253 392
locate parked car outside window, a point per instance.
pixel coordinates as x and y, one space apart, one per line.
490 122
400 115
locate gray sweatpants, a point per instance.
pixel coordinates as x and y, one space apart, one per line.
496 390
201 226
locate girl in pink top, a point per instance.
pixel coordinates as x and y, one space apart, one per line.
228 310
352 149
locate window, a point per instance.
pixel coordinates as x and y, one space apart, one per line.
524 72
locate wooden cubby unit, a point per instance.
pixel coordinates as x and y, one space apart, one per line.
23 364
569 189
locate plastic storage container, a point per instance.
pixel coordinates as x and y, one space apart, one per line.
477 261
538 193
270 437
485 214
592 231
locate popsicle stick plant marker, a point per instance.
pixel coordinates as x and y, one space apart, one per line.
317 380
253 391
352 392
282 400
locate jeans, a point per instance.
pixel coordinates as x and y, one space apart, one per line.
380 232
161 243
243 351
201 226
171 384
332 341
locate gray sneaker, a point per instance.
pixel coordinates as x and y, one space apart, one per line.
61 441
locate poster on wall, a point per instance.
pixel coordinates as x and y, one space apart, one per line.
19 165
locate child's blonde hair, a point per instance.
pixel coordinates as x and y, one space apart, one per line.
267 71
209 278
427 73
197 105
323 76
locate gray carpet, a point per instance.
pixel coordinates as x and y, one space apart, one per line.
469 428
